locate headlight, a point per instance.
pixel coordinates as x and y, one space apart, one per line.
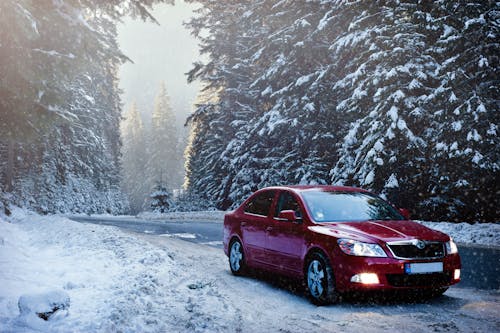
355 248
451 247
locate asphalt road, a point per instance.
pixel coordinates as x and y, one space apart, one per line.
480 264
196 232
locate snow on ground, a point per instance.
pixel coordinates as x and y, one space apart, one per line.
465 233
116 281
201 216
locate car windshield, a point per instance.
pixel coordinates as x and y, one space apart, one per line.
348 206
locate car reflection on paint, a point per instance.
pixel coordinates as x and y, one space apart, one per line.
338 239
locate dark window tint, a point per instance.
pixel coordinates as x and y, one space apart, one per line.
287 201
261 204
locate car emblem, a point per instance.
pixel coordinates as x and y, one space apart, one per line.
420 245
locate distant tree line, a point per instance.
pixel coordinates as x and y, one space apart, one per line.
153 162
400 97
59 103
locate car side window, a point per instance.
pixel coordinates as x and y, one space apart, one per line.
261 204
287 201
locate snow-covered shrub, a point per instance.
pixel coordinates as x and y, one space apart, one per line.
160 199
191 202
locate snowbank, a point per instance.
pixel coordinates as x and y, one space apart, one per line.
198 216
487 234
107 274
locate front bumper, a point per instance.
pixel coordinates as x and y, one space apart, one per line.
391 273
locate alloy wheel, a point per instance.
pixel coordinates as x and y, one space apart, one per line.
316 278
236 257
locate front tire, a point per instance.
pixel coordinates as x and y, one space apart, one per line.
237 258
320 281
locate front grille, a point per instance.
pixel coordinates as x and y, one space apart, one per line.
419 280
411 251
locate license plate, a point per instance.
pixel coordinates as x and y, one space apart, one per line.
422 268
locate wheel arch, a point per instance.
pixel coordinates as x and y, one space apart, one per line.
232 238
331 294
312 250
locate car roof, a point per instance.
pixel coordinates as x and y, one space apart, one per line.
325 188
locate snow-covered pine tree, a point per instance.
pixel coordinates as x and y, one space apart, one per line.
343 92
463 132
405 143
134 160
165 158
85 154
53 55
203 147
36 63
290 121
160 199
382 90
276 127
227 77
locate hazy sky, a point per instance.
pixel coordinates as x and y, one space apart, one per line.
160 52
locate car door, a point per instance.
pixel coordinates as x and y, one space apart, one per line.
285 239
255 222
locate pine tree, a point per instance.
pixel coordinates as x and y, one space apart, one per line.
134 159
227 77
374 94
160 199
59 102
291 119
432 101
384 88
204 150
464 122
164 147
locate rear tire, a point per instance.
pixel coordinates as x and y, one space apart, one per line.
319 280
237 258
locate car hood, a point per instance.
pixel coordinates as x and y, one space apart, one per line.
386 231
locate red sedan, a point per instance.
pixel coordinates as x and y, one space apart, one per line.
338 239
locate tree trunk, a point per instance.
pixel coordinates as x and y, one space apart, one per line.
9 175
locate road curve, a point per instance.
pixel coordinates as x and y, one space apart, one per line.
480 264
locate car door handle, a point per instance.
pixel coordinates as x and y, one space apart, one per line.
269 228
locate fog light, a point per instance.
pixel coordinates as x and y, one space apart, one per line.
365 278
456 274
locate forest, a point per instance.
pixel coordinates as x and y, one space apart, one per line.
60 107
399 97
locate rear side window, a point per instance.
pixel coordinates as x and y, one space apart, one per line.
261 204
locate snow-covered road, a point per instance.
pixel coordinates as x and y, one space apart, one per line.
195 231
124 282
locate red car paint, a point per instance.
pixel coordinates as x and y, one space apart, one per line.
282 247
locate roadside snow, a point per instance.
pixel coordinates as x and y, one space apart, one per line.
487 234
118 281
200 216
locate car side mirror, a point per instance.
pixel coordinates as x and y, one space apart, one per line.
405 212
289 215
